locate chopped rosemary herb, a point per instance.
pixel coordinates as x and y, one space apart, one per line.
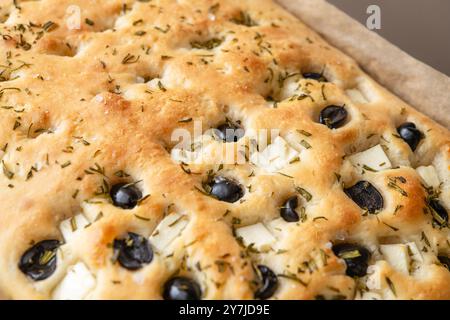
244 19
142 218
305 133
143 199
338 176
186 120
8 174
121 174
285 175
167 29
208 44
161 87
130 59
391 227
391 286
73 224
293 278
305 144
214 8
75 194
424 238
305 194
350 254
367 168
49 26
236 221
97 169
397 209
46 257
140 33
323 93
89 22
393 185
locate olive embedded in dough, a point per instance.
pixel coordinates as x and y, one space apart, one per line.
125 196
269 283
314 76
39 262
445 261
288 212
333 116
226 190
356 258
182 288
133 252
366 196
229 133
410 134
440 215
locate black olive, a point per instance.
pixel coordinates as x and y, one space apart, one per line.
39 262
133 252
125 196
226 190
181 288
333 116
356 258
366 196
269 284
288 212
445 261
440 215
315 76
410 134
228 132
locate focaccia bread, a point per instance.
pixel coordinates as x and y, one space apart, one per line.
347 197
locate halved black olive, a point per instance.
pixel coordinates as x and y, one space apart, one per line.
333 116
269 283
125 196
226 190
445 261
440 215
229 132
410 134
39 262
355 256
181 288
133 252
366 196
288 212
315 76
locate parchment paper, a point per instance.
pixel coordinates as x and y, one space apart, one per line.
423 87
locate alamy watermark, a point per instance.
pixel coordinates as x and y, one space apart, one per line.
74 17
230 146
373 22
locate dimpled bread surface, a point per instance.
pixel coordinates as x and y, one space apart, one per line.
86 107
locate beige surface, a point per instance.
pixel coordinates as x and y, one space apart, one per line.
402 18
418 84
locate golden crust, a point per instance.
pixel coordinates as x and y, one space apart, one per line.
74 100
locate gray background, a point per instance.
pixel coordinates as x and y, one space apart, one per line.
419 27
